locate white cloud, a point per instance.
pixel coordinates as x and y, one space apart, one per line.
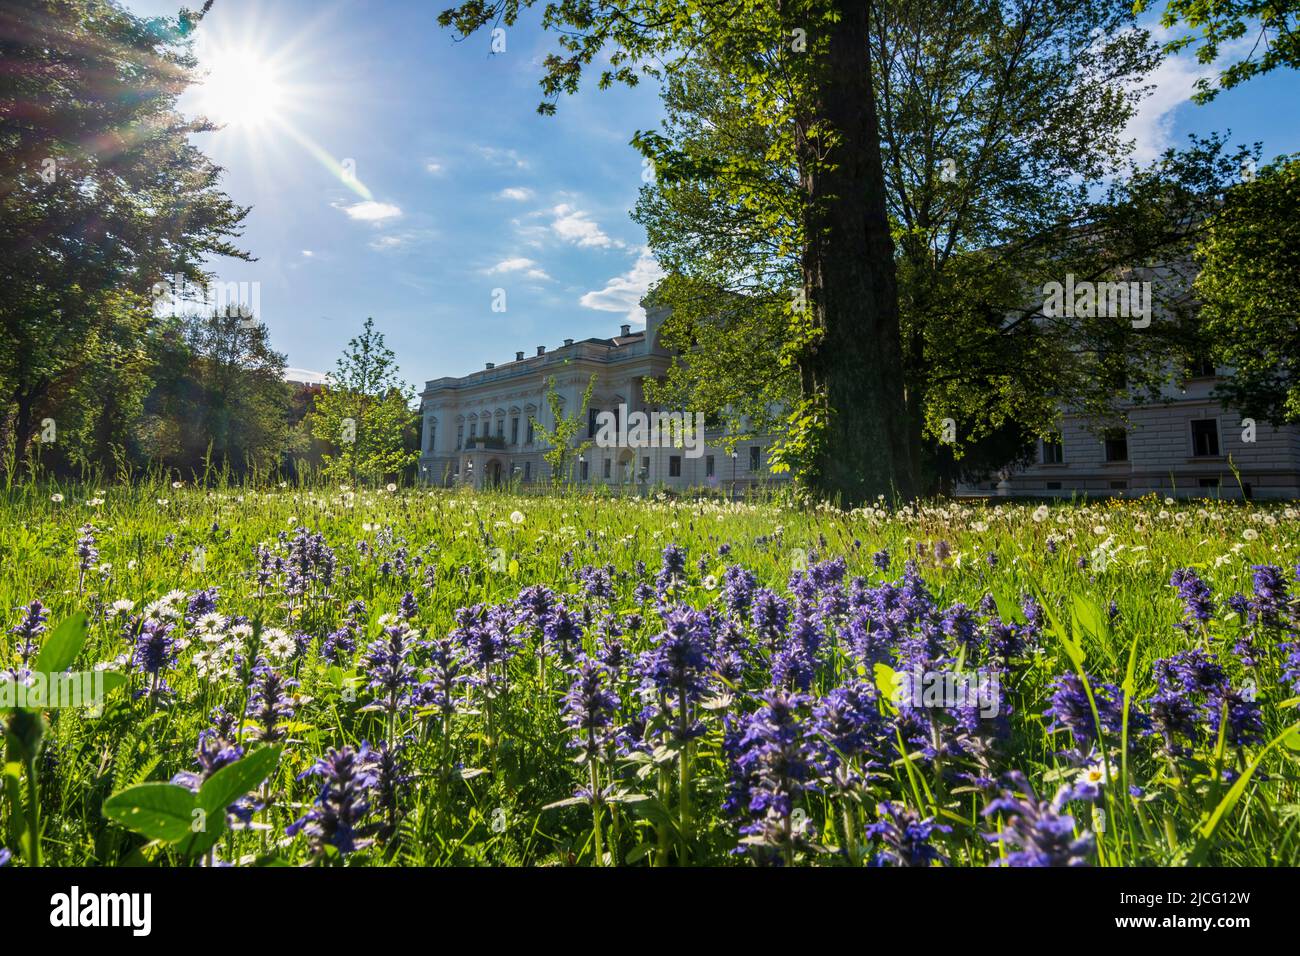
371 211
623 293
528 267
1174 82
502 157
307 253
576 226
435 168
516 193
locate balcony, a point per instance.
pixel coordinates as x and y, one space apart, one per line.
486 443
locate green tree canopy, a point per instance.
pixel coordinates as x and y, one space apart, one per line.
1249 286
363 411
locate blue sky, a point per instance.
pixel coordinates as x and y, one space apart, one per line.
461 188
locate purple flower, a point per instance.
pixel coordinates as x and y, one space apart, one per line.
387 663
905 837
775 762
155 649
1034 830
1198 606
1070 709
337 817
589 707
1270 602
28 630
270 703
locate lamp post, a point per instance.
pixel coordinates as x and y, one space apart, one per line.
734 456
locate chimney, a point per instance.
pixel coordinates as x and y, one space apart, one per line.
627 330
568 341
519 356
541 350
491 365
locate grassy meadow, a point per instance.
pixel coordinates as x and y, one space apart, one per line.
371 677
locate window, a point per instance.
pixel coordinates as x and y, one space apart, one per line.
501 428
591 421
754 453
528 471
584 469
1053 486
460 437
1207 482
708 466
1053 450
1201 367
514 430
1117 445
1205 438
529 439
473 431
645 467
607 467
1119 486
674 466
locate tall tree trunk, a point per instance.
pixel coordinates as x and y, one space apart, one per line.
856 369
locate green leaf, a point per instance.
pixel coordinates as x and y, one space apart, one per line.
159 811
63 645
234 780
886 683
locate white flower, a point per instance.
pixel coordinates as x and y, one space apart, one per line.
162 502
392 487
241 631
211 622
177 484
94 502
1250 534
710 583
281 647
1095 775
56 498
516 517
1040 513
122 606
1169 501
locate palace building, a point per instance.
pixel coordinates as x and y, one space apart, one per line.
478 429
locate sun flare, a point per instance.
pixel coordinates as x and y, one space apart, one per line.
241 89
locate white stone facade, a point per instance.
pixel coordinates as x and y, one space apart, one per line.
477 427
1190 446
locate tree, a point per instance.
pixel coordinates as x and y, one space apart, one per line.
1275 24
362 412
1000 126
219 396
559 438
102 193
1249 286
805 66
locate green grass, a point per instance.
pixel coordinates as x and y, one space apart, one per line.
510 749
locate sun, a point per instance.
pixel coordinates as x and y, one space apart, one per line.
241 88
